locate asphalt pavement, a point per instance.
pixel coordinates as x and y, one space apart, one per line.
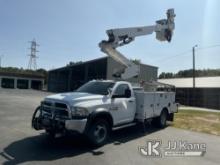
20 144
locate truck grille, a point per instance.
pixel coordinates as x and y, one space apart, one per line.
54 109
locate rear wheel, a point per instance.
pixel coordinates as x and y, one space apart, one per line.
161 120
99 132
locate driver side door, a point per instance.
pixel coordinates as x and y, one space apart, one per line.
122 105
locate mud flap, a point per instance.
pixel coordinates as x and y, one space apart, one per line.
170 117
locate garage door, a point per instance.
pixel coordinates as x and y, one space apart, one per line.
35 84
22 84
8 83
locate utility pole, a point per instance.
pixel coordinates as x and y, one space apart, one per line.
33 56
1 60
194 102
194 74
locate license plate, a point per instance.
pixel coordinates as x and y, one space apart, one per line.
46 121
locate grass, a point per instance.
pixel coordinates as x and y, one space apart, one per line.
199 121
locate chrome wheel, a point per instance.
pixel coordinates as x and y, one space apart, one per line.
100 133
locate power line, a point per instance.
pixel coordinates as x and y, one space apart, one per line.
174 56
187 52
208 47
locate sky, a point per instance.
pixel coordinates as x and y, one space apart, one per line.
70 30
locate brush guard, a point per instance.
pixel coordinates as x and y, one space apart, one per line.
40 122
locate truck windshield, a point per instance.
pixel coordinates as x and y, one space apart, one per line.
100 88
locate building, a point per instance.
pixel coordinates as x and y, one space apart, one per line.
71 77
21 80
205 94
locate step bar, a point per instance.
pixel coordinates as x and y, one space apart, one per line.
124 126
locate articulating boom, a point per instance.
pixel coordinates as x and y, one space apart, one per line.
122 36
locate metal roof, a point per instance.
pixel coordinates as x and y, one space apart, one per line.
93 60
78 63
201 82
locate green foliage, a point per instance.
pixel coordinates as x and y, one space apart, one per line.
166 75
23 71
189 73
41 72
74 63
136 61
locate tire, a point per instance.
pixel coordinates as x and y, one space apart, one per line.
160 121
99 132
35 119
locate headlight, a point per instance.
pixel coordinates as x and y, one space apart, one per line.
79 111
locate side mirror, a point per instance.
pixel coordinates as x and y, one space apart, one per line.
115 96
109 91
127 93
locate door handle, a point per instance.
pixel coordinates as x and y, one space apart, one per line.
113 108
130 101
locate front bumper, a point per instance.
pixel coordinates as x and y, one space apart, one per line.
58 121
76 125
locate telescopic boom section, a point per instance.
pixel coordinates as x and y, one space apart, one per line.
122 36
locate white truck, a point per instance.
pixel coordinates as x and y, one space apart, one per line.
100 106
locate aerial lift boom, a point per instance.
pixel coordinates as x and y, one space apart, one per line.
122 36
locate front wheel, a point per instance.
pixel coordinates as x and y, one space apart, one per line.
99 132
35 121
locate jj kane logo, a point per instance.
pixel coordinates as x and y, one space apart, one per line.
173 148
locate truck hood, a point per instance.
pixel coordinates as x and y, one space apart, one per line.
72 98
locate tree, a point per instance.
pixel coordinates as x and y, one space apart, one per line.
136 61
189 73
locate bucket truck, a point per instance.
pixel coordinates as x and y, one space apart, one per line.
101 106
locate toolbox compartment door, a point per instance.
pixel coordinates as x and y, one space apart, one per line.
144 105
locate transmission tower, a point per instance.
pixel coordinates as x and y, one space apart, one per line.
32 64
